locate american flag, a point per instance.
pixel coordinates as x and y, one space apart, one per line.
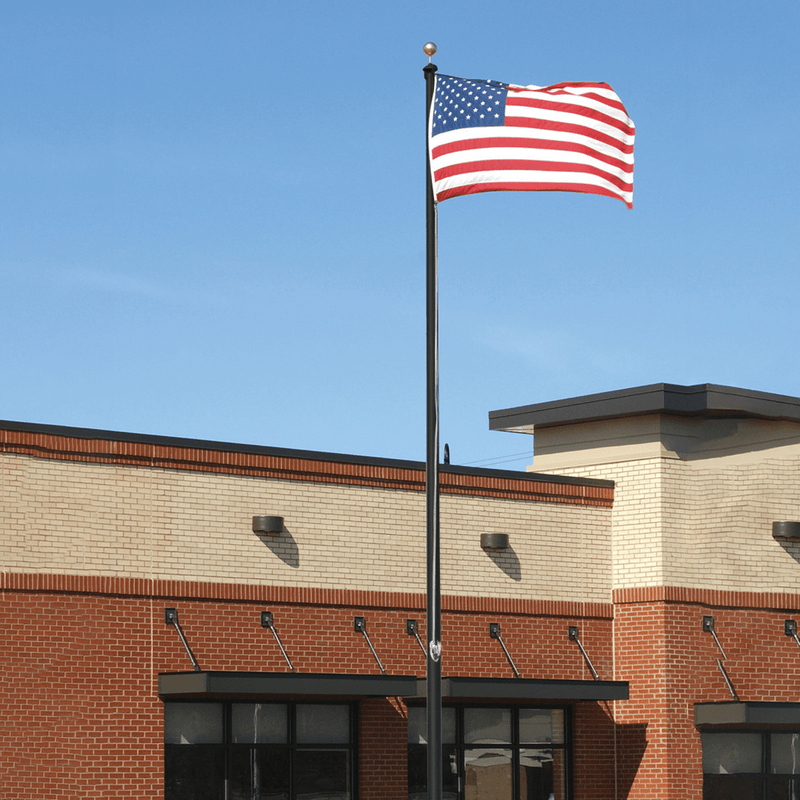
486 136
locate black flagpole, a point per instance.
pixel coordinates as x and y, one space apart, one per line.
434 611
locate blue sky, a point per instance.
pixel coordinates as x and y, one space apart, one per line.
212 218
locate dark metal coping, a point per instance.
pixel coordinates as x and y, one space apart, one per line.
284 452
747 715
224 684
229 684
703 400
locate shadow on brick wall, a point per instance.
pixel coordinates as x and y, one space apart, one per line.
284 546
791 547
507 561
631 743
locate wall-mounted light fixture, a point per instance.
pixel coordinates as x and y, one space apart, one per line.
494 542
269 525
786 530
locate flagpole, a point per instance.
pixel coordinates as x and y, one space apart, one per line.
434 609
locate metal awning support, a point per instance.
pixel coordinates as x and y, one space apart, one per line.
708 626
574 636
267 622
171 618
413 630
360 626
494 633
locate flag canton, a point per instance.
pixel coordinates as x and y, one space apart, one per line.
462 103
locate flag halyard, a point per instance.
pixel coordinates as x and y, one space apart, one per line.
486 136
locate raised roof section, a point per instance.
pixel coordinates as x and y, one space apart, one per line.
705 401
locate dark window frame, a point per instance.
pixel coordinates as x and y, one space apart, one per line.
228 747
515 746
766 775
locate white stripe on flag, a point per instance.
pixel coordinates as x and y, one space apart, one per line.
570 181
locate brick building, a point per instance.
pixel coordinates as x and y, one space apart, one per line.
634 640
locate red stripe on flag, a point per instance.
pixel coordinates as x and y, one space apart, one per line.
569 85
581 130
569 108
475 188
613 102
529 144
498 165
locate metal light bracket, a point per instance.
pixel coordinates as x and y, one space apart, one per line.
413 630
573 634
360 626
494 633
171 618
267 622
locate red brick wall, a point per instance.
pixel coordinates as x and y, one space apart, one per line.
78 672
593 751
383 737
77 698
671 664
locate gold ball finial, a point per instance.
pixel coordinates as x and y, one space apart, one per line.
429 50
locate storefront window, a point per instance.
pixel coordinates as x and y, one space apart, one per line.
280 751
751 765
488 753
784 779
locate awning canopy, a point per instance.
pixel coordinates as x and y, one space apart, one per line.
747 715
262 684
529 689
256 684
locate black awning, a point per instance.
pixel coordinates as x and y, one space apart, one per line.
263 684
530 689
747 715
255 684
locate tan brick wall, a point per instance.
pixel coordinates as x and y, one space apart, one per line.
704 523
85 518
726 542
636 520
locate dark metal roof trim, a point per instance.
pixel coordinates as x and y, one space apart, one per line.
530 689
228 684
702 400
747 715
